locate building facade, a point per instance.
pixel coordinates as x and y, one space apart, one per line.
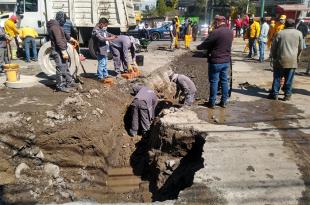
271 6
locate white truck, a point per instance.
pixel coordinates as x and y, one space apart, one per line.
84 15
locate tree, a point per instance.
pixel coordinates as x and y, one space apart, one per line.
161 7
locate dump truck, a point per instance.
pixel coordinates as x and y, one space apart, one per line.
84 15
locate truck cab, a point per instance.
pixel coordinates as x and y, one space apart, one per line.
31 13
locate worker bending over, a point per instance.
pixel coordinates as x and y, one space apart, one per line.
119 48
185 87
28 35
142 109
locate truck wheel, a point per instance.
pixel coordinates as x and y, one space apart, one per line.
155 36
92 50
47 63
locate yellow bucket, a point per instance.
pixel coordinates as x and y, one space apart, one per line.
12 72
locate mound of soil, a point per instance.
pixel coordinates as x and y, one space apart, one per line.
58 147
195 66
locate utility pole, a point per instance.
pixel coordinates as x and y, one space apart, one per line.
206 10
262 8
211 13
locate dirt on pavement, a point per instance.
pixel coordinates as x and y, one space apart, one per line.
195 66
81 133
59 147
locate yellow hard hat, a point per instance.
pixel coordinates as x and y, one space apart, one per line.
283 17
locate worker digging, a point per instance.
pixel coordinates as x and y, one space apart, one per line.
174 102
120 47
142 110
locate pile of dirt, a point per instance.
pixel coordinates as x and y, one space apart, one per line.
59 147
195 66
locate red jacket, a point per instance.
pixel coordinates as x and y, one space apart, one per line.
238 22
245 21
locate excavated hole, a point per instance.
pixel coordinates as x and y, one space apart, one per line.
97 160
168 159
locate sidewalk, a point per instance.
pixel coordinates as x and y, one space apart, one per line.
256 150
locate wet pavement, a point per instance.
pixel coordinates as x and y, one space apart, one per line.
257 150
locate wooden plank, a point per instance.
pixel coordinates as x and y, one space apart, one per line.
121 171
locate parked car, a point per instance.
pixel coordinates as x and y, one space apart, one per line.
204 31
133 32
162 32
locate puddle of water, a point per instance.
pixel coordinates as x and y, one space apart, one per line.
123 180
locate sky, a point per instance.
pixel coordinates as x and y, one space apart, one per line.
149 2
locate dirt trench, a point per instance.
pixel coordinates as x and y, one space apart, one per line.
58 147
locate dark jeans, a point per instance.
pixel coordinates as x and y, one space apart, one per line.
252 47
30 42
238 32
288 74
63 76
218 72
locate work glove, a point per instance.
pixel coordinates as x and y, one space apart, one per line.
135 63
19 39
130 68
65 55
74 42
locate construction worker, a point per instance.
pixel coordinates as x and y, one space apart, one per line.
303 28
245 29
177 24
12 32
218 45
28 36
285 51
188 34
280 24
271 33
173 33
185 88
69 28
119 48
101 40
194 31
253 34
3 49
64 80
142 109
278 27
